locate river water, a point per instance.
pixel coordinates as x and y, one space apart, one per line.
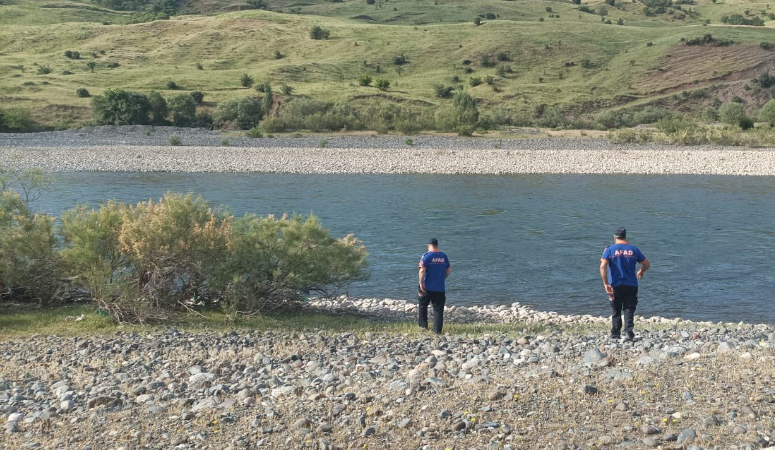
535 239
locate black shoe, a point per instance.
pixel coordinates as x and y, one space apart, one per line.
615 337
629 337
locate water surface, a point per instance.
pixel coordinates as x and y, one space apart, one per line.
535 239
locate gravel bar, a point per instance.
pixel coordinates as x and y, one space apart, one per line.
145 149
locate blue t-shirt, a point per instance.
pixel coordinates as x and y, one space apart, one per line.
622 262
436 265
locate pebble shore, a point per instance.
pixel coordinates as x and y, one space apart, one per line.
145 149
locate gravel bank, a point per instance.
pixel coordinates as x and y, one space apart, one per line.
130 149
682 387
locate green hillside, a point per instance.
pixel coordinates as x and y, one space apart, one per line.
575 63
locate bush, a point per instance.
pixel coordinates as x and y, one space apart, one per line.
72 55
119 107
198 97
246 80
278 54
183 110
15 119
650 114
268 97
29 265
474 81
731 113
286 90
613 119
477 21
364 80
44 69
309 114
710 114
82 93
172 86
489 79
91 65
203 120
767 113
745 123
258 4
174 140
158 107
463 112
552 117
675 125
254 133
244 113
400 60
766 45
382 84
318 33
442 91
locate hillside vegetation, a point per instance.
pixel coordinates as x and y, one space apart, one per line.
541 63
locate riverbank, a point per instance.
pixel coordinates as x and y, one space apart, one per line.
143 149
679 385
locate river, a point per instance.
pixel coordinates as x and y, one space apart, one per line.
535 239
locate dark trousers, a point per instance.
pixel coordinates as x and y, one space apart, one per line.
625 299
437 300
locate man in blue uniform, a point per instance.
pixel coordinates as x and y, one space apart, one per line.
434 270
620 278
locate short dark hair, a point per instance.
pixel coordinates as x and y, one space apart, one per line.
434 242
620 233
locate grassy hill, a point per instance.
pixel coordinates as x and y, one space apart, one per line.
576 62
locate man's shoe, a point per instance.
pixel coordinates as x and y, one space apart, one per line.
629 337
615 337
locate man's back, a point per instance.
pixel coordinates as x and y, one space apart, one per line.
623 260
436 264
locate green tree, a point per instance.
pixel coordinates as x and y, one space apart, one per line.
767 113
158 107
246 80
243 113
364 80
268 98
731 113
382 84
318 33
120 107
183 110
91 65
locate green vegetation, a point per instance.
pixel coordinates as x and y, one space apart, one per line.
145 262
564 72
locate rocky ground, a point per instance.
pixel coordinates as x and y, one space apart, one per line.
679 385
137 148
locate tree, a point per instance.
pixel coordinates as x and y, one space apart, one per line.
268 97
158 107
318 33
364 80
198 97
246 80
767 113
382 84
244 113
731 113
82 93
91 65
183 109
120 107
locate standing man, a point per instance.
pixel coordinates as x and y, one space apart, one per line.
434 270
618 270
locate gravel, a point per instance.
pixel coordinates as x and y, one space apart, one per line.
143 149
318 389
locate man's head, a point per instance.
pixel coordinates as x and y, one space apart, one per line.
620 234
433 244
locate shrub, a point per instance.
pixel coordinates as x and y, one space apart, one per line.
246 80
382 84
29 265
409 142
278 54
675 124
370 2
442 91
477 21
198 97
767 113
746 123
15 119
463 112
650 114
172 86
224 142
72 55
710 114
254 133
474 81
244 113
268 97
552 117
767 45
322 143
183 110
287 90
82 93
306 113
318 33
199 66
315 263
765 80
174 140
158 107
203 120
489 79
44 69
503 56
119 107
400 60
613 119
364 80
91 65
258 4
731 113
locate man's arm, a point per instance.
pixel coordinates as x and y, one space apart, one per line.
422 276
449 269
644 266
604 275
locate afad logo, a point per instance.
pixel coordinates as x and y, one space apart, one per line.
624 253
438 261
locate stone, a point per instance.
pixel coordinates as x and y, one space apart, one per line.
370 431
459 426
621 407
739 430
592 357
649 430
301 423
650 442
15 417
496 394
66 405
589 389
325 428
404 423
103 401
725 347
686 436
